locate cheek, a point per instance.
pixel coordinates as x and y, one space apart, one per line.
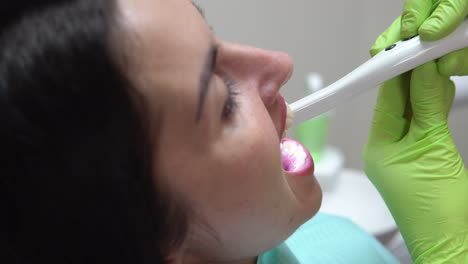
256 142
251 163
245 162
263 155
254 155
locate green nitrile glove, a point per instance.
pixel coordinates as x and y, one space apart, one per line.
433 20
412 160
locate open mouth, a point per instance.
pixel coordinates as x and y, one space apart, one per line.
296 158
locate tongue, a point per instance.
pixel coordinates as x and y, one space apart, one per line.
296 158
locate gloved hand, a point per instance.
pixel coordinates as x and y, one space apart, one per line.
432 20
412 160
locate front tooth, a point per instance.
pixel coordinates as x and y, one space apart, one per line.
293 155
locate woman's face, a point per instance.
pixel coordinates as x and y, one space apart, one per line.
218 120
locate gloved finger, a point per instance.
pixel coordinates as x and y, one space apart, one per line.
393 96
455 63
390 121
415 12
449 96
446 17
431 95
387 38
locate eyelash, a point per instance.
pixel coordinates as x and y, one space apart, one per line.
230 104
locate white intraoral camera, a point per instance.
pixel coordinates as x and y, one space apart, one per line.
391 62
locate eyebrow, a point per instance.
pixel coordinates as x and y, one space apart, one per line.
204 79
202 13
199 8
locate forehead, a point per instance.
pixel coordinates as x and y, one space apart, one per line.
161 27
169 40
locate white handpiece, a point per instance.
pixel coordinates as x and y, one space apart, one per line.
461 94
395 60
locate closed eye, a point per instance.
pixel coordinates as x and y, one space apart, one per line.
230 103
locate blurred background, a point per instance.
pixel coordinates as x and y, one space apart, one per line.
330 37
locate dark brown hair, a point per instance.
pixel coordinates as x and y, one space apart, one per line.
75 152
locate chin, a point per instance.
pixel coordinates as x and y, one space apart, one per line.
311 206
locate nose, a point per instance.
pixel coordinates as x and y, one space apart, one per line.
266 70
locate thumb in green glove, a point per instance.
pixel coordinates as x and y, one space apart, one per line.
432 20
412 160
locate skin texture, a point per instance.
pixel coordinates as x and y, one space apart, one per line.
226 170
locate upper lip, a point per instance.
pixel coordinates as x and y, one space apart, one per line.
283 114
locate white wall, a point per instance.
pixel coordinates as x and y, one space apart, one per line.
331 37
